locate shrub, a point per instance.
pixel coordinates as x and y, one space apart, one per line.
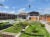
2 25
16 26
35 30
21 24
25 23
42 25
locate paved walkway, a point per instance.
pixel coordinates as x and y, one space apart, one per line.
18 34
46 26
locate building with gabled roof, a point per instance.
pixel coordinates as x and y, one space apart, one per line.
34 16
29 16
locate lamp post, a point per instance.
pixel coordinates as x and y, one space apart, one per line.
29 6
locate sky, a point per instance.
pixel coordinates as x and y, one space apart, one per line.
16 6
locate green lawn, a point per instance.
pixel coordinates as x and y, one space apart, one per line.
13 29
3 24
37 27
0 35
16 27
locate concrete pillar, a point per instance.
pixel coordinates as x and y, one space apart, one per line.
46 18
38 18
28 17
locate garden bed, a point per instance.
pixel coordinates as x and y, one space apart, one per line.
35 28
13 29
4 25
16 27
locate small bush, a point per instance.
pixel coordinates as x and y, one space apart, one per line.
2 25
42 25
16 26
24 24
35 30
21 24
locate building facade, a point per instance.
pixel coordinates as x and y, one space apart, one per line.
4 16
33 16
45 18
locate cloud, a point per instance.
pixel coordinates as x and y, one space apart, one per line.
3 0
21 10
3 11
9 12
12 12
47 10
44 11
6 7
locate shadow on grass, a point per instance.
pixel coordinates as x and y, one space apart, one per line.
6 26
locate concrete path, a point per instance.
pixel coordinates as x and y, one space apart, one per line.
18 34
46 26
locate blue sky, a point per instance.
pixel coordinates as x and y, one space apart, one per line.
15 6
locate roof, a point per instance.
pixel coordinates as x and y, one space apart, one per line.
45 15
7 13
34 13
